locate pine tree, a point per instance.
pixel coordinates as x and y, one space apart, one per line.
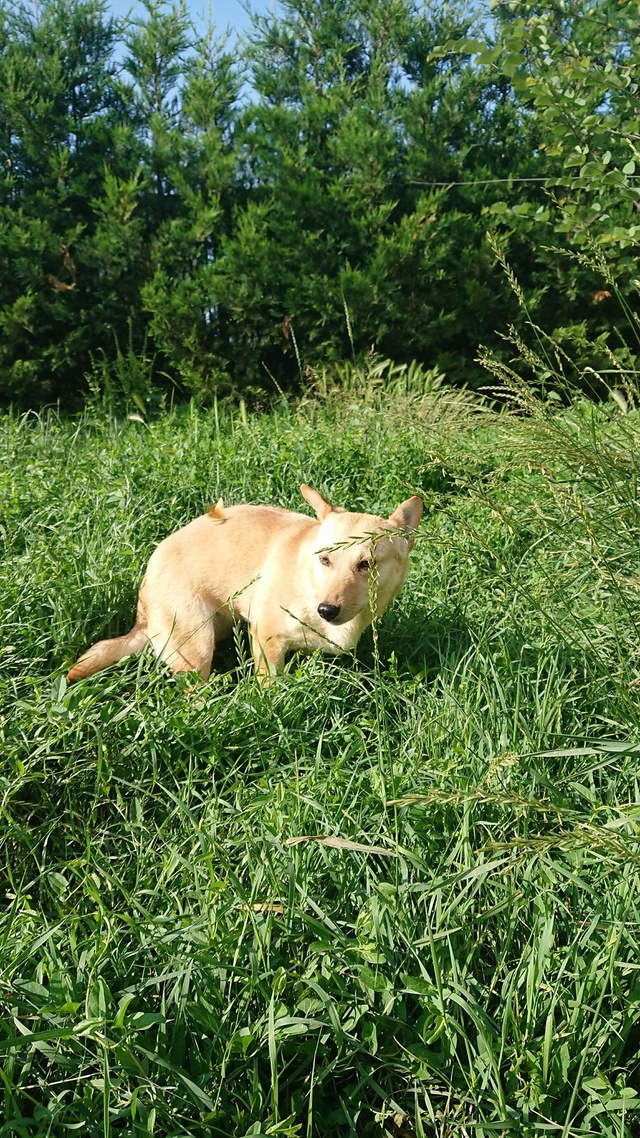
345 241
193 169
56 95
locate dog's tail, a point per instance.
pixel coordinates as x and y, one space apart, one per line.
107 652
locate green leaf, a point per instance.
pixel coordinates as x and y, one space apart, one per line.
489 56
574 159
376 981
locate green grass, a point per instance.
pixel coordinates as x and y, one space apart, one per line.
180 953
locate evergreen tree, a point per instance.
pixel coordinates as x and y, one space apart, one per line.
112 187
160 207
344 241
56 96
193 169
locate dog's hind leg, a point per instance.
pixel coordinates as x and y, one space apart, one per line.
185 637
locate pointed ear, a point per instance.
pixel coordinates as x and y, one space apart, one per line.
407 516
320 507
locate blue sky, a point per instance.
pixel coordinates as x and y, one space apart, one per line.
231 14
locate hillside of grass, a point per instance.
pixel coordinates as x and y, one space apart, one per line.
392 894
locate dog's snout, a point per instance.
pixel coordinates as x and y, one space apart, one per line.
328 612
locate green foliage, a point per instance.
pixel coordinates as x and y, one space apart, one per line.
395 894
114 182
574 69
192 179
322 191
348 133
56 89
577 69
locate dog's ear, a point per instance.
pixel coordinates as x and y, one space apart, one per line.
318 504
407 516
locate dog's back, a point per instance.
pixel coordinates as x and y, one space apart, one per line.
220 558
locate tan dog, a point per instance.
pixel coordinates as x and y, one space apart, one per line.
300 583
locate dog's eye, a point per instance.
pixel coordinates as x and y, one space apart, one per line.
362 566
325 561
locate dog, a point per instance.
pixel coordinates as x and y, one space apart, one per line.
300 583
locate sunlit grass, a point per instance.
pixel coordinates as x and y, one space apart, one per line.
180 954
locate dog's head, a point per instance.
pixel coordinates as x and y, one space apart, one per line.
360 561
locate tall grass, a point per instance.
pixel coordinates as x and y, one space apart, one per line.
391 894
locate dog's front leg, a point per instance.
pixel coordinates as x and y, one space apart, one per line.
268 653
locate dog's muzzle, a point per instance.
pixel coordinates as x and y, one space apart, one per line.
328 612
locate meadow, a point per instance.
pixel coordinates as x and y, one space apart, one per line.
391 894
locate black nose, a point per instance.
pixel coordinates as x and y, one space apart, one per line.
328 612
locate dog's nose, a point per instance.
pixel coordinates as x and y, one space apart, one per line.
328 612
